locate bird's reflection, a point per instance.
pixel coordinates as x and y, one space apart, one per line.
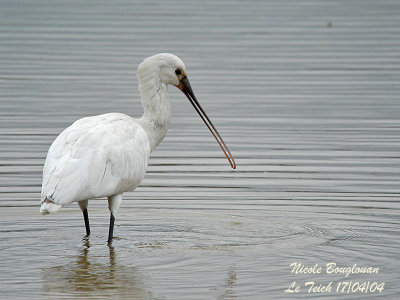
93 276
228 288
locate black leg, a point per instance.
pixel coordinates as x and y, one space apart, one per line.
86 218
111 229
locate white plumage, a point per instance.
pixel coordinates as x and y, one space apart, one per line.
107 155
95 157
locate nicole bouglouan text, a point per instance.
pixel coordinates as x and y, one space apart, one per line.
341 286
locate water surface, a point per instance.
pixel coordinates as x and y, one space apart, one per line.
306 95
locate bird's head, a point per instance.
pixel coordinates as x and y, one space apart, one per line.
171 70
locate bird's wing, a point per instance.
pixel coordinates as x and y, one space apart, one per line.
96 156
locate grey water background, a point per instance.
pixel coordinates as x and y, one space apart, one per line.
305 93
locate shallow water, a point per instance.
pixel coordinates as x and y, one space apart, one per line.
306 95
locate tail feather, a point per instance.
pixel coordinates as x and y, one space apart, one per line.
49 207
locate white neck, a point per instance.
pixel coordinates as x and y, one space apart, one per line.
156 106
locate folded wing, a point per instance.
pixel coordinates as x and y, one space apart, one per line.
94 157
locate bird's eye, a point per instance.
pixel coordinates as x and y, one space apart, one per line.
178 72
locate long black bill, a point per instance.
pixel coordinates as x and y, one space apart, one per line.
185 87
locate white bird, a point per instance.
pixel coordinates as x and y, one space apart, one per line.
107 155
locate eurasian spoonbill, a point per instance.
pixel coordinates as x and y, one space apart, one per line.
107 155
